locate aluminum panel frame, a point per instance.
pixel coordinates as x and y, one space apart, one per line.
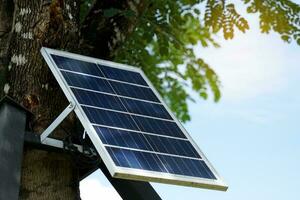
122 172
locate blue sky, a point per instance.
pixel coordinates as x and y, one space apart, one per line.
252 135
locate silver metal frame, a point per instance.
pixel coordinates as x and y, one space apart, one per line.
59 144
54 142
122 172
57 121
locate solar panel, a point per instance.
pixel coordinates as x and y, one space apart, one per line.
134 132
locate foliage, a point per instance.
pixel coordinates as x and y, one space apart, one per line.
85 6
218 16
162 45
162 42
281 16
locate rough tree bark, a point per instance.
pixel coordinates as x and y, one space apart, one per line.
26 26
45 175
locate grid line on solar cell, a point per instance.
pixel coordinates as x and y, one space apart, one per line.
146 108
152 160
98 100
86 82
113 123
173 146
123 120
139 126
117 95
113 102
102 77
134 140
91 68
154 152
136 131
122 75
103 85
129 113
65 63
159 126
172 164
134 91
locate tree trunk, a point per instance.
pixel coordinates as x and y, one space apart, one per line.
26 26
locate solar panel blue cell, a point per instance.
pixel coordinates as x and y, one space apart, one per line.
134 91
121 104
132 130
122 138
172 146
98 99
146 108
146 142
131 122
109 118
161 163
187 167
150 159
146 161
122 75
87 82
160 127
103 85
136 159
76 65
121 120
118 157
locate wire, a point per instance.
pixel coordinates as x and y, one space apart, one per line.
84 160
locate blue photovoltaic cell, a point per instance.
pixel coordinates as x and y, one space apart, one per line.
87 82
146 108
146 142
172 146
186 166
122 75
134 159
134 91
98 99
119 103
98 70
159 162
137 123
102 85
109 118
133 125
159 127
76 65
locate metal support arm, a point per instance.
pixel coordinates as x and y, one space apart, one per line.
57 121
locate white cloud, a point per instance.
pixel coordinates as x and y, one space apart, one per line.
91 188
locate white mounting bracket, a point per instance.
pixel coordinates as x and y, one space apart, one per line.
58 143
57 121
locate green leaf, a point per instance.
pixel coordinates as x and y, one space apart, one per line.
129 13
286 38
110 12
203 95
197 11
